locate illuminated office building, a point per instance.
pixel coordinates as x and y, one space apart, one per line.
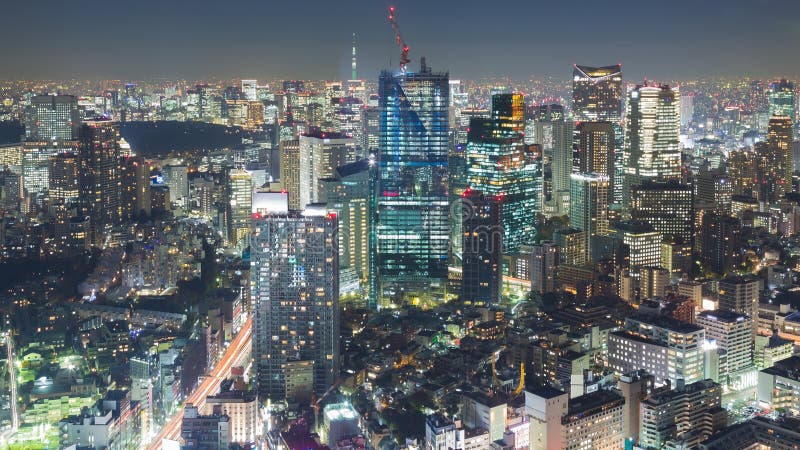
544 267
595 151
778 167
52 118
782 99
63 174
588 209
351 192
481 249
554 134
733 333
597 96
667 206
652 138
249 89
597 93
239 202
499 164
413 206
320 154
295 290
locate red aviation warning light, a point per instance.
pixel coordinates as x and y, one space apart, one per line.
400 42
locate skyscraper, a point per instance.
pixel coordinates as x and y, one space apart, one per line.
499 164
544 266
320 154
290 171
597 93
239 203
135 182
653 128
413 231
588 209
52 118
99 190
667 206
481 249
595 151
778 167
64 177
782 98
351 192
554 134
295 290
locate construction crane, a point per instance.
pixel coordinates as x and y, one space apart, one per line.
400 42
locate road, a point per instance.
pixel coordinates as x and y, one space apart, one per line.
12 378
236 354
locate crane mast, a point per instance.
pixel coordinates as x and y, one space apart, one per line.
399 40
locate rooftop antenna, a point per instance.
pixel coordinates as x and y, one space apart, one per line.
353 74
400 42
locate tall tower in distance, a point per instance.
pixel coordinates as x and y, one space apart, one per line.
653 135
597 93
353 71
98 185
413 203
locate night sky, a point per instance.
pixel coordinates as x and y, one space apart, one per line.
311 39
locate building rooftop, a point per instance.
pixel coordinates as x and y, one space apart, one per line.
588 404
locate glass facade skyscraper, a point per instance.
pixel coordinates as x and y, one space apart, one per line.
653 135
500 164
413 231
782 99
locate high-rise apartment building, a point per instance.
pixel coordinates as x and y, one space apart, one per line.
413 204
652 135
99 189
499 164
295 289
481 249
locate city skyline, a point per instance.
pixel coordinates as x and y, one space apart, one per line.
158 39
